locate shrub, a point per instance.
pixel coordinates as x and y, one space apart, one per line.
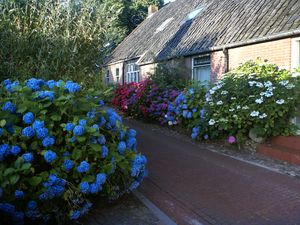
255 97
60 147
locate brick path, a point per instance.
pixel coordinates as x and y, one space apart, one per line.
196 186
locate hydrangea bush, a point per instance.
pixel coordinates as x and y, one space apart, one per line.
257 99
59 148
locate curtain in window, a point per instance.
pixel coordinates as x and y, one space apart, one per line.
202 74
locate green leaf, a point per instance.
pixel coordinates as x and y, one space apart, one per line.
96 147
2 123
14 179
89 179
22 109
25 166
8 171
35 181
81 139
76 154
56 117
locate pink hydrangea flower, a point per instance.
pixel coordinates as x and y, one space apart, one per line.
231 140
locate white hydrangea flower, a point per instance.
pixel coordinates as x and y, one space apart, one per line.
280 102
211 103
235 116
284 82
268 84
254 114
231 110
269 94
260 85
170 123
251 83
233 98
259 100
220 103
238 107
224 92
290 86
263 116
245 107
212 92
211 122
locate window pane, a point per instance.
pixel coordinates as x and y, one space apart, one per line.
117 72
202 61
202 74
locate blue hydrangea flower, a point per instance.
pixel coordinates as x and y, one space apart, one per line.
91 114
12 86
138 164
82 122
15 150
121 147
31 205
51 84
83 167
9 106
6 82
18 217
102 121
96 126
28 132
47 95
104 151
75 215
101 140
7 208
131 143
48 141
41 133
50 156
206 137
84 187
94 188
100 178
101 103
72 87
131 133
38 124
28 118
1 132
68 164
4 151
69 126
78 130
19 194
27 157
34 84
72 139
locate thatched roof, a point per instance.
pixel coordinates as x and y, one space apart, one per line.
220 23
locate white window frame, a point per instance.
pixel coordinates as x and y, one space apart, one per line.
295 63
205 65
107 77
132 72
118 75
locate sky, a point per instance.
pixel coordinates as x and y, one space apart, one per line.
166 1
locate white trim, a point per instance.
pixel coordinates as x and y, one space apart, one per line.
295 53
295 63
204 65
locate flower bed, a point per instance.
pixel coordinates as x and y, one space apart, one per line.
258 99
59 148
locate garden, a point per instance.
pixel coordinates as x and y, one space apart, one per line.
219 111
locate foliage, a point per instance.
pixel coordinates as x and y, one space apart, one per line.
59 39
170 74
255 98
59 148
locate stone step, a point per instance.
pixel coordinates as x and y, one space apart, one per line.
292 142
282 153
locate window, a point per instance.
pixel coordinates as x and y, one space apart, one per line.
107 77
201 69
118 75
163 25
132 72
193 14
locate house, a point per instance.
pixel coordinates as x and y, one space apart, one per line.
212 37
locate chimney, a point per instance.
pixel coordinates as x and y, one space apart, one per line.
152 9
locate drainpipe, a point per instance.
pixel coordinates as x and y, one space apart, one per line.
226 56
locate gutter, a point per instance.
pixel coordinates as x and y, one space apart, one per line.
257 40
274 37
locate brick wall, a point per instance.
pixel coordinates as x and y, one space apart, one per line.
218 65
278 52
